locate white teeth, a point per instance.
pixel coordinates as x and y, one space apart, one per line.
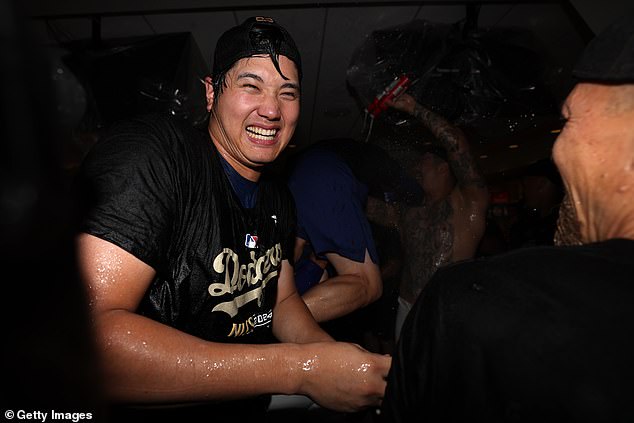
262 137
261 133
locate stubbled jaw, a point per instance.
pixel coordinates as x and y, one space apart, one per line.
262 135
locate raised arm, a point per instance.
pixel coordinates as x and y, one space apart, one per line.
469 180
147 362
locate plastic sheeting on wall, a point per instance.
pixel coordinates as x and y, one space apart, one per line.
129 77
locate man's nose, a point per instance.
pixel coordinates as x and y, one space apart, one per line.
270 108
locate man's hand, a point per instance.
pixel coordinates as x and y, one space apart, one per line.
404 102
344 377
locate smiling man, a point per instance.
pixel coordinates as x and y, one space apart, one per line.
186 252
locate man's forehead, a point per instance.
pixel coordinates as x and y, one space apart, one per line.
261 63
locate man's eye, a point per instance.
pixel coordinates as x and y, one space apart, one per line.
290 95
250 86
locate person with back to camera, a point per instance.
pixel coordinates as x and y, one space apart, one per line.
186 253
542 334
450 222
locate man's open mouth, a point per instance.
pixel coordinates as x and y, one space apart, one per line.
262 133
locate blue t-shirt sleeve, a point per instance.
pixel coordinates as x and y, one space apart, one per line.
330 205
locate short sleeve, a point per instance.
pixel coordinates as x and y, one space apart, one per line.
126 188
330 205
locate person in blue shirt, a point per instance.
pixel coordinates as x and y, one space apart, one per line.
338 269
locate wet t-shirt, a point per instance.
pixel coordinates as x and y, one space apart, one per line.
156 188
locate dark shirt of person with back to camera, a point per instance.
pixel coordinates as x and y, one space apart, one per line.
542 334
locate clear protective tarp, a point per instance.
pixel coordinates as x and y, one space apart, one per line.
473 77
122 78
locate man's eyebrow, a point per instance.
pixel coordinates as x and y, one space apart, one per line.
250 75
259 78
291 86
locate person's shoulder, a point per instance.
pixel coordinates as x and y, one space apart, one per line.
496 275
535 271
151 138
153 132
313 164
500 264
485 297
151 125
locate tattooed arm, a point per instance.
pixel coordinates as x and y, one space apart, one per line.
469 180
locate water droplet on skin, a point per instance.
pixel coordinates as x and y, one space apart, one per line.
309 364
364 367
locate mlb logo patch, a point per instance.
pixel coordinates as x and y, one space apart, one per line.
251 241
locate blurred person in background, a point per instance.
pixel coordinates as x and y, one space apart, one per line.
449 224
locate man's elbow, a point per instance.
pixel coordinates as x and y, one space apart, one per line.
375 293
374 289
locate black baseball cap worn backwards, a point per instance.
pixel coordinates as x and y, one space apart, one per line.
256 35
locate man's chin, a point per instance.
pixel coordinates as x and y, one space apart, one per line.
257 163
259 160
568 226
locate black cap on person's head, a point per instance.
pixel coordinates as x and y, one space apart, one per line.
609 57
256 35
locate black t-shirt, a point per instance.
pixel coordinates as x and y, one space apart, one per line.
533 335
156 188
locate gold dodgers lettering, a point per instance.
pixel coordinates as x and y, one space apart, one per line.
249 325
238 277
240 329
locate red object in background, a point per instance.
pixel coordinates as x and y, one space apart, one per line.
396 88
501 197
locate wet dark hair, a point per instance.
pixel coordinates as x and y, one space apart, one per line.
256 35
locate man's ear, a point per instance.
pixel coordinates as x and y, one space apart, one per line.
209 92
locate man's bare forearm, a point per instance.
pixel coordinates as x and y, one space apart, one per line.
450 137
454 141
338 296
